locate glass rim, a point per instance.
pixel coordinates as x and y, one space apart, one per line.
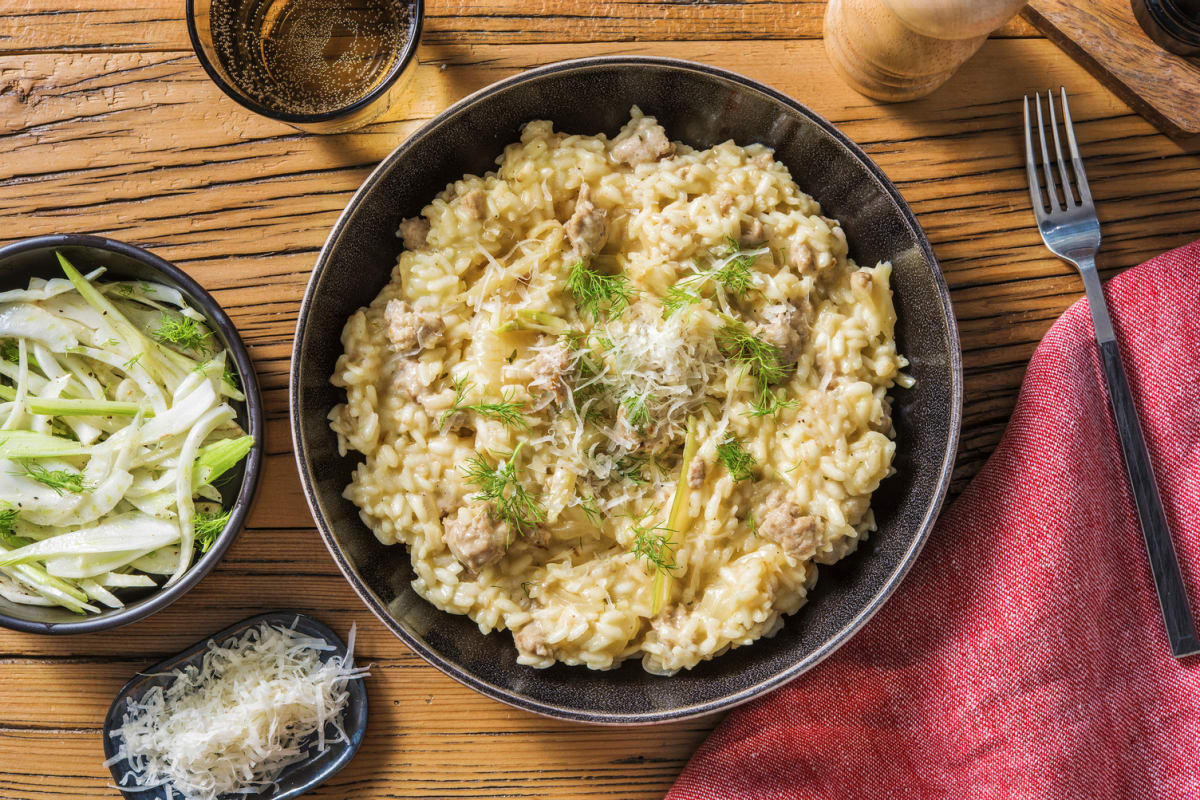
232 92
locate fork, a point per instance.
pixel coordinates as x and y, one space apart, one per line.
1068 224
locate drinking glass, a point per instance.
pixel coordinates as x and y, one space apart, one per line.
323 66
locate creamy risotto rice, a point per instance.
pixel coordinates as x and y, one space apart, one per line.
621 397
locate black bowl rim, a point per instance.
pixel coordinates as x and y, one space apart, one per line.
406 56
356 689
253 465
684 712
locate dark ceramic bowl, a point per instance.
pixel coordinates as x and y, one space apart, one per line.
35 258
294 780
702 106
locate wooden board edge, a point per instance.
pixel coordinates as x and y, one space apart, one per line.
1167 125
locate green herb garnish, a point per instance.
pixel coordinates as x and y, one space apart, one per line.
591 510
767 402
501 487
128 365
8 518
597 293
735 458
509 411
637 414
677 297
654 544
10 351
630 467
208 527
734 273
60 480
183 332
760 359
732 270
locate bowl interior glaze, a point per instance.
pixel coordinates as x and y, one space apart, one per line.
701 106
35 258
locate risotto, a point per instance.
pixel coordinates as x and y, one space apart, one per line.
621 397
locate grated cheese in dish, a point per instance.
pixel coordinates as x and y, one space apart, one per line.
257 704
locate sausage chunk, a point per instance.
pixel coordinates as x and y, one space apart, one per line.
407 379
785 327
642 141
548 368
587 229
414 232
800 258
409 329
861 285
475 202
752 233
785 523
474 537
531 640
697 473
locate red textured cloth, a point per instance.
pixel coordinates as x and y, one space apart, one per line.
1024 656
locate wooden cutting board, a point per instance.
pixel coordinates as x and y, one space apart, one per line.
1104 37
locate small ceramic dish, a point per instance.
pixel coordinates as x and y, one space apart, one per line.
296 779
35 257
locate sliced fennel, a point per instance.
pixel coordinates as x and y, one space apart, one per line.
115 424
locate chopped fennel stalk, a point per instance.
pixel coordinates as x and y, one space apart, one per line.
215 459
28 444
527 320
677 520
68 407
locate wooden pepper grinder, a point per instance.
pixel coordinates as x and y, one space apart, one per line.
897 50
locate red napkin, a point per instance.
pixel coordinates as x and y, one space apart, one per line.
1024 656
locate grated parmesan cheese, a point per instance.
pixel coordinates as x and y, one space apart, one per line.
257 704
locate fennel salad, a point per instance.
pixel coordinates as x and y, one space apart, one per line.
116 426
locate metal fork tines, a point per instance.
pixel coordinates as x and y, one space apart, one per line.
1066 218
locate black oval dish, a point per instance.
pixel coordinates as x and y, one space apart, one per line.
35 257
702 106
294 780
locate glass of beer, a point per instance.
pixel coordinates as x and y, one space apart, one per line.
323 66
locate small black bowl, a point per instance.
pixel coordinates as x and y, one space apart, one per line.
294 780
702 106
30 258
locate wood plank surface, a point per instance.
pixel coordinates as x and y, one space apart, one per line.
1106 38
157 25
133 141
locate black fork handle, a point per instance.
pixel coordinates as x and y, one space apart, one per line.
1164 565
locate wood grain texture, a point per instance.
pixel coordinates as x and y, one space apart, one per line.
1106 38
157 25
137 144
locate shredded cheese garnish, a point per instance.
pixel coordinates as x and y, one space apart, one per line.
257 704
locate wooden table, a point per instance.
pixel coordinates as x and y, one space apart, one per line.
109 126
